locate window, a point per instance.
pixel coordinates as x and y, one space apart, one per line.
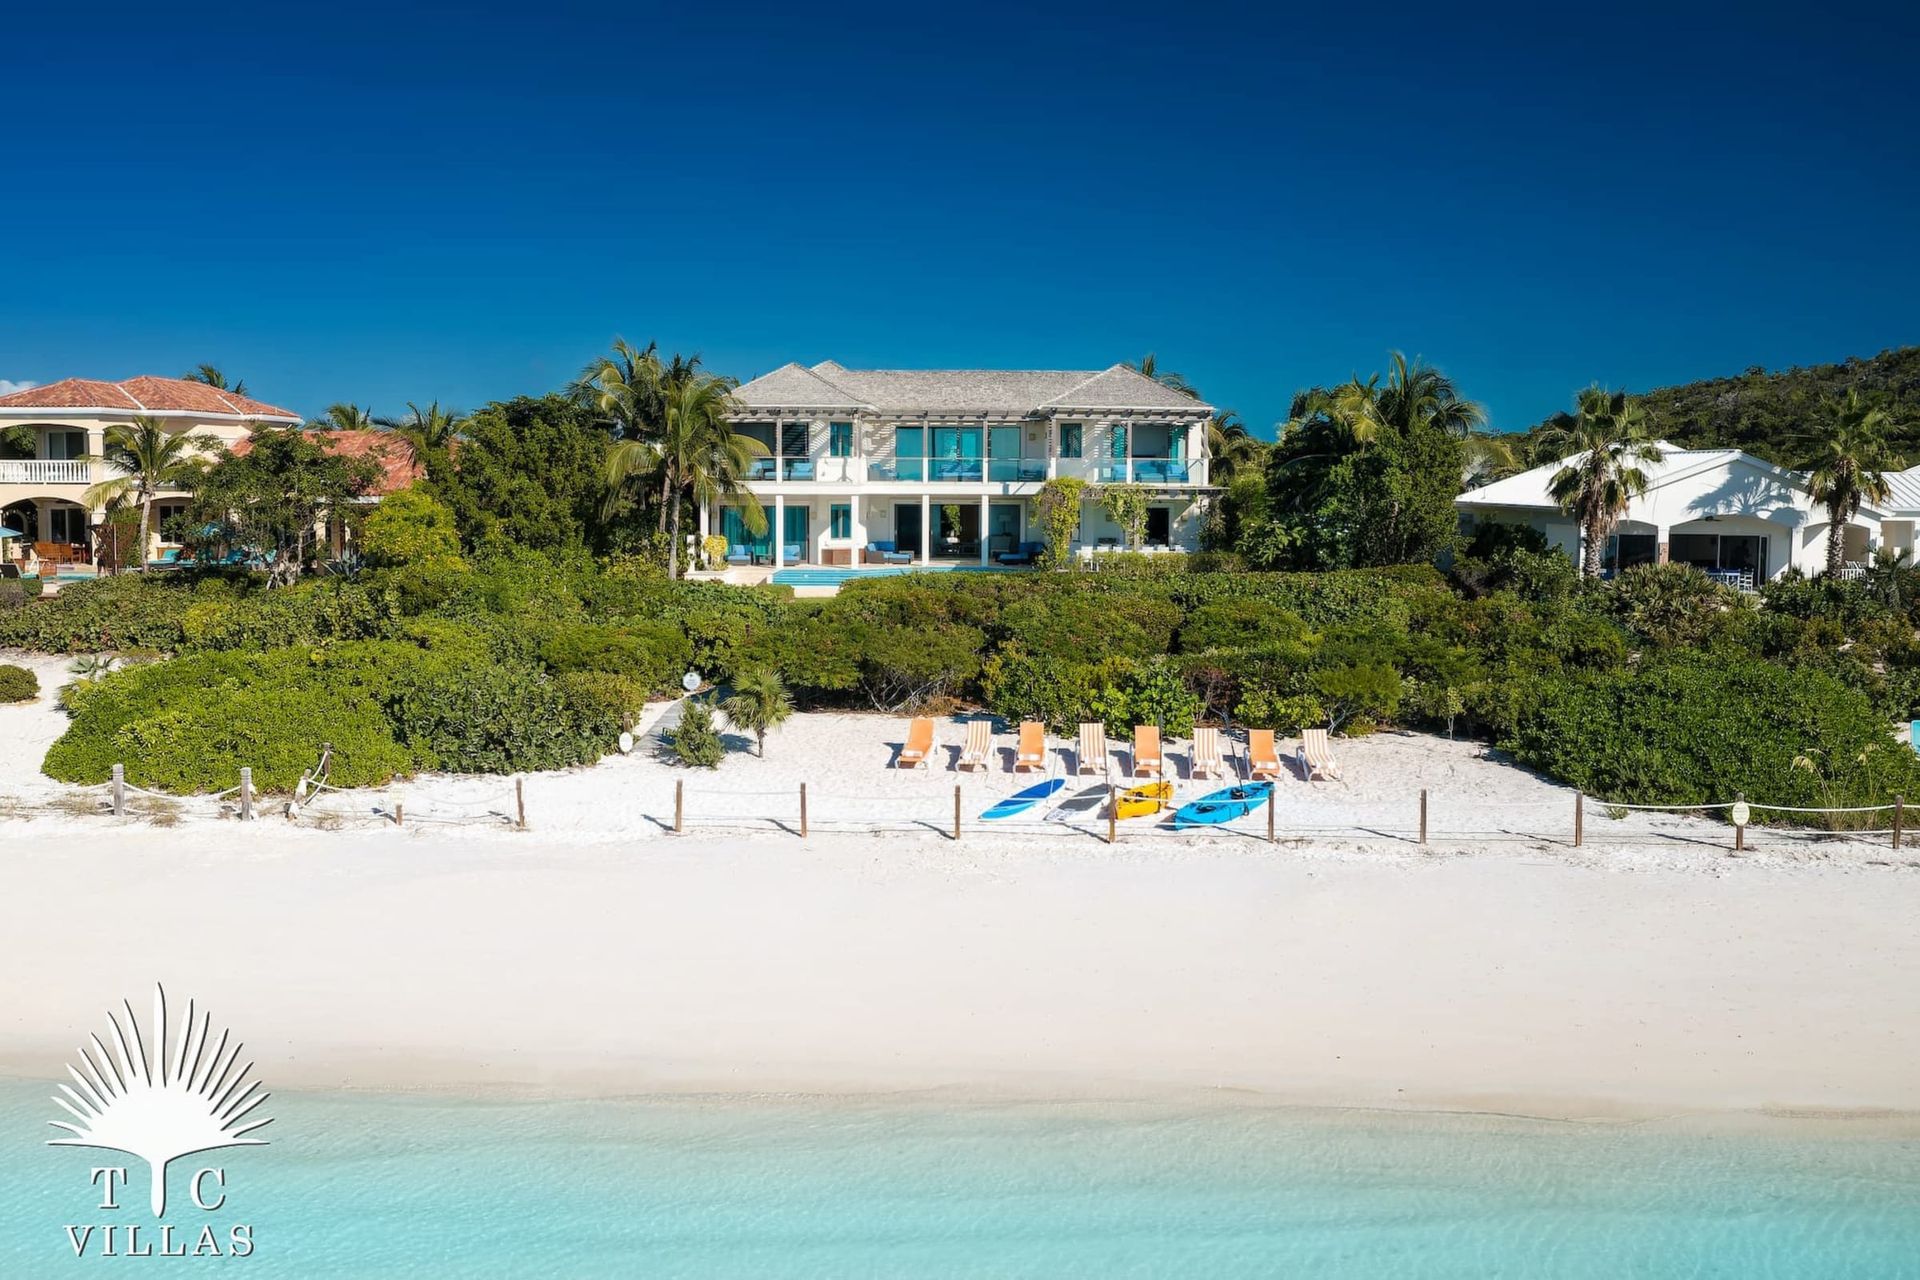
67 524
65 446
167 518
1069 439
1119 440
840 519
840 440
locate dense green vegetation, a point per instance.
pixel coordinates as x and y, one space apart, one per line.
17 684
1767 413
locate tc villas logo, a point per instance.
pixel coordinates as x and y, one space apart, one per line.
159 1102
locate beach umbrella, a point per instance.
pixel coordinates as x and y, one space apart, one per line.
10 533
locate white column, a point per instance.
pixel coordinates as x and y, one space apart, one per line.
983 528
926 528
857 529
779 530
1053 449
706 522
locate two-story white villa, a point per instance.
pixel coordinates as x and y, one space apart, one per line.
43 482
1738 517
943 464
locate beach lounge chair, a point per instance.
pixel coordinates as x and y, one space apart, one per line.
919 745
1146 759
1263 758
1092 755
1032 752
1205 759
1316 755
979 743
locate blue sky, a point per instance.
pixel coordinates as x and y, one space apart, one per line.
396 202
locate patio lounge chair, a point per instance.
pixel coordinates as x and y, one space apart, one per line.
1146 752
919 745
1032 752
1316 755
887 553
1205 757
739 555
1022 554
168 558
1263 758
8 569
979 743
790 552
1092 755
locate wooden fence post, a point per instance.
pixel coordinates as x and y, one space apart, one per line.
1579 817
399 814
1739 828
1271 797
803 811
956 811
1899 818
1423 815
119 790
1113 813
246 793
679 805
520 802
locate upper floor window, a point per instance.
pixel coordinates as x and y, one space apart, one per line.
840 440
66 445
1069 439
793 439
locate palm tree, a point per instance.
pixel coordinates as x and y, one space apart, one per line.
427 431
1416 396
149 459
760 702
1889 576
1491 456
1849 465
345 417
214 378
1230 446
1150 368
1611 444
673 421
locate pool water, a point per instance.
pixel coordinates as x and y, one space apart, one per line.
815 576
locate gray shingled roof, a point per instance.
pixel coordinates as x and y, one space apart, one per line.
1011 391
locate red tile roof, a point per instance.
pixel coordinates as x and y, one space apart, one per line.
398 467
143 394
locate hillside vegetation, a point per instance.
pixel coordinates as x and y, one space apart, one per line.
1766 413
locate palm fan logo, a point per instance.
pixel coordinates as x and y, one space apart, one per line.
158 1101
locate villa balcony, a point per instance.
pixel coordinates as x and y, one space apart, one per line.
45 471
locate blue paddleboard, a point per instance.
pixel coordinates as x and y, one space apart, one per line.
1217 807
1021 801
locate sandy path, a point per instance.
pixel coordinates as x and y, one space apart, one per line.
851 963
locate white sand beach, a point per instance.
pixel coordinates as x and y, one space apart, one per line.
1649 971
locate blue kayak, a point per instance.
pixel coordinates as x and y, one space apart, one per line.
1217 807
1021 801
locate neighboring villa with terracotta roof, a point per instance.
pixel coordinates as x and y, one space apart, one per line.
945 463
42 493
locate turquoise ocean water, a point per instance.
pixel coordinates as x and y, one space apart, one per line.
370 1185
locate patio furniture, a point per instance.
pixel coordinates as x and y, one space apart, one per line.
169 558
1022 554
1205 757
919 745
1032 751
1263 758
1146 759
1316 755
979 743
790 553
888 553
1092 755
737 554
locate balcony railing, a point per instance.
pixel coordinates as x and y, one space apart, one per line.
1016 470
45 471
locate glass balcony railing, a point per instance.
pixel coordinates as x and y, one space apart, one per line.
797 469
1016 470
1111 472
762 469
1161 470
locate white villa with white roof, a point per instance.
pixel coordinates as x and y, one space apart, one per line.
875 466
1740 518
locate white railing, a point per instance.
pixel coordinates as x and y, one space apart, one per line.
45 471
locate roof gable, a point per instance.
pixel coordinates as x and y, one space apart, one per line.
795 386
999 391
1123 387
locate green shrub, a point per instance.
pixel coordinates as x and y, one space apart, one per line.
1697 730
695 741
17 684
1240 624
410 527
652 655
490 719
604 704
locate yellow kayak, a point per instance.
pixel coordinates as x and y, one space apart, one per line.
1138 802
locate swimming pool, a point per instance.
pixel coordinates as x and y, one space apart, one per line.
817 576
